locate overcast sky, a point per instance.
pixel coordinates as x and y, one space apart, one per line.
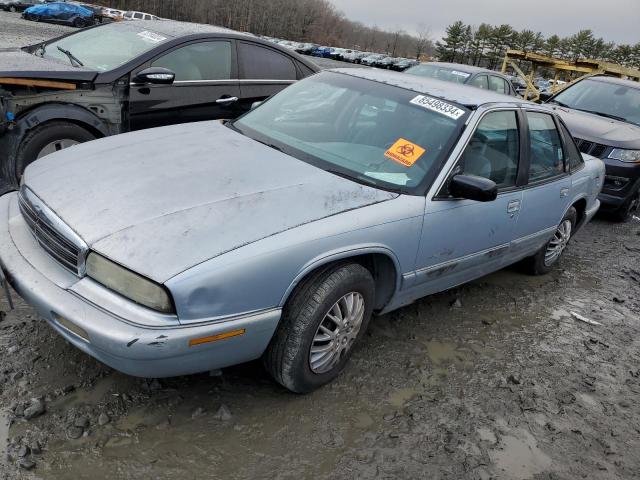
614 20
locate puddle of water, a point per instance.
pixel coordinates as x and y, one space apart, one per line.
401 396
444 352
5 423
520 458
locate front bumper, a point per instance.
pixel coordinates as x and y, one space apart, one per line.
139 350
613 197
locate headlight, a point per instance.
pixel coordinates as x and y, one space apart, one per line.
129 284
629 156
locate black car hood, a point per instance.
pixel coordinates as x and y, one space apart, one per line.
16 63
595 128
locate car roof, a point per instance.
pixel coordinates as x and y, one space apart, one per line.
172 28
462 67
616 80
455 92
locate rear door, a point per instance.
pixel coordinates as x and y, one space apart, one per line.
205 88
264 71
546 196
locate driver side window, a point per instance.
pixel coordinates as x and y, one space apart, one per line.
494 150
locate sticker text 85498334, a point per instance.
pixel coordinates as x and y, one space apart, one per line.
439 106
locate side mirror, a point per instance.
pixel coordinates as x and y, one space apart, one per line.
156 75
475 188
255 104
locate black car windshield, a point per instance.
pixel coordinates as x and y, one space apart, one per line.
106 47
368 131
604 98
440 72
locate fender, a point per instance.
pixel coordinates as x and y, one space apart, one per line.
10 141
353 251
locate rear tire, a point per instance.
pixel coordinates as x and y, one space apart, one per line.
549 255
299 356
629 209
78 22
54 135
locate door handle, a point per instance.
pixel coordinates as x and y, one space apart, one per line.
226 100
564 192
513 207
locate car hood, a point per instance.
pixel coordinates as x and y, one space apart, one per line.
16 63
595 128
162 200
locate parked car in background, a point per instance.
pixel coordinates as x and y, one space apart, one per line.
465 74
384 62
132 15
353 192
112 14
354 56
125 76
61 12
603 115
372 59
404 63
19 5
322 52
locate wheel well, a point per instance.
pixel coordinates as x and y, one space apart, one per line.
381 267
581 208
92 130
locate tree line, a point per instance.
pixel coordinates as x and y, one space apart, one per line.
486 44
316 21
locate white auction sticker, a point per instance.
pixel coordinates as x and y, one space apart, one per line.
460 74
439 106
151 37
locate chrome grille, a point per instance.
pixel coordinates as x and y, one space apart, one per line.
591 148
55 237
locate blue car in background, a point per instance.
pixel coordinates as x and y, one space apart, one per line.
323 52
59 12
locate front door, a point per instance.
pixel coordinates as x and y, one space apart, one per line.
465 239
205 87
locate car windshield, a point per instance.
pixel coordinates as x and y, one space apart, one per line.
367 131
104 48
603 98
447 74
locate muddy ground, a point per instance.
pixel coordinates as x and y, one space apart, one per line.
495 379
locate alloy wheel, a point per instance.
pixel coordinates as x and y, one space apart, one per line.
56 146
337 332
558 243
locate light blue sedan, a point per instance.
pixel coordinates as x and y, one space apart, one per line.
351 193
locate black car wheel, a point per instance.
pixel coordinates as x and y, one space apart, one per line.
48 138
78 22
629 209
322 321
549 255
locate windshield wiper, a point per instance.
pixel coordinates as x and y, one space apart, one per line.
560 104
72 57
602 114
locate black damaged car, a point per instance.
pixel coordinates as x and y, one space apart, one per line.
126 76
603 115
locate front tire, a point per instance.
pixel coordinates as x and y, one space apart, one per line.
629 209
48 138
549 255
324 319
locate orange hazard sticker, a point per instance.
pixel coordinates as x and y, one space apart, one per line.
404 152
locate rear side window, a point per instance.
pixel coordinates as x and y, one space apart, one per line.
497 84
199 61
258 62
573 154
138 16
480 81
546 157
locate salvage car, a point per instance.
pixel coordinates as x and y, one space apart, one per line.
128 76
19 5
188 248
61 12
465 74
603 115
